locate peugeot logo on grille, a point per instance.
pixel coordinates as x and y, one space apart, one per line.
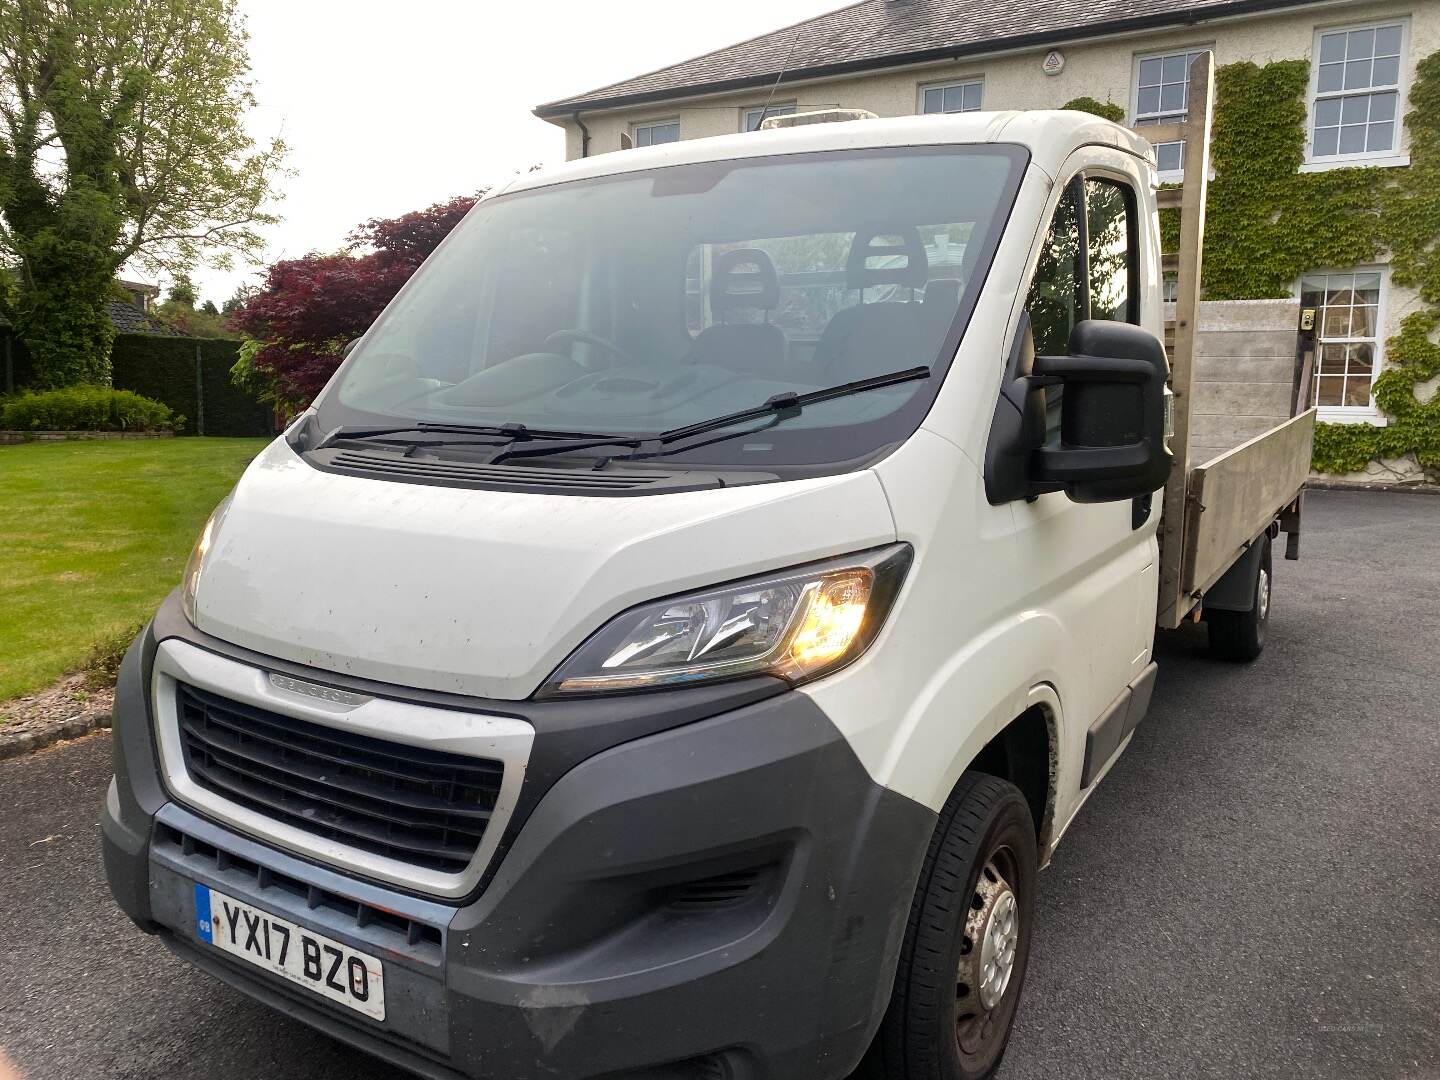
315 690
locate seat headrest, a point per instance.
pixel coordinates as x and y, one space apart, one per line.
944 291
743 278
882 244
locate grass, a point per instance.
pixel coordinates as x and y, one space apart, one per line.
92 537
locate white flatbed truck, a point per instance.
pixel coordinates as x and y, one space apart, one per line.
677 636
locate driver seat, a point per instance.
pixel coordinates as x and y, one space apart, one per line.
741 279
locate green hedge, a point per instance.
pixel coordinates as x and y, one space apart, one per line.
164 369
87 408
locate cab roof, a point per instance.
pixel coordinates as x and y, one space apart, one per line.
1050 136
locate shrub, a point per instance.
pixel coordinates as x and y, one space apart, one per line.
87 408
1107 110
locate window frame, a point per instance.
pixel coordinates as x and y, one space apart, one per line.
785 108
639 124
946 84
1166 176
1394 155
1080 180
1351 414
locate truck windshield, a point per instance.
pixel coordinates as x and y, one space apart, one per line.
647 301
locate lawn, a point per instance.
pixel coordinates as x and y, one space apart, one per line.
92 537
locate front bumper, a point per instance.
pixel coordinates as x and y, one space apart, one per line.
728 895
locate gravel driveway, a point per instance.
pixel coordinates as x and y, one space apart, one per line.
1254 891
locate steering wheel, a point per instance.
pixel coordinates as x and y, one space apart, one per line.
562 337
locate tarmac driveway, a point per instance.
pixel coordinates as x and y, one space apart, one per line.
1254 891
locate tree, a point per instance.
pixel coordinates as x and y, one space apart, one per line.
241 297
182 290
308 308
179 311
122 140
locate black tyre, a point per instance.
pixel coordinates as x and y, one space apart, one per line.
967 942
1240 635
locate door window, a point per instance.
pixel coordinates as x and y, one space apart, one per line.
1057 295
1110 241
1089 269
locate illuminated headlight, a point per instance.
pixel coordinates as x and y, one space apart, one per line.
797 625
190 582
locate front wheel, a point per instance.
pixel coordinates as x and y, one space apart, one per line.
967 942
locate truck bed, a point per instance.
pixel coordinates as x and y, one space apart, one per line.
1234 498
1229 501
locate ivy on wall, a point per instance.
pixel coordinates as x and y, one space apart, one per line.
1267 223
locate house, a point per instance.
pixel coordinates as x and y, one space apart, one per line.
1338 77
133 315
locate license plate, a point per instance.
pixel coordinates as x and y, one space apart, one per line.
338 972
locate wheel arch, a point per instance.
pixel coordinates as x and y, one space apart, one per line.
1026 752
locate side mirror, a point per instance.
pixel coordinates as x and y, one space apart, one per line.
349 347
1112 418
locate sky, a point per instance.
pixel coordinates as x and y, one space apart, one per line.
389 107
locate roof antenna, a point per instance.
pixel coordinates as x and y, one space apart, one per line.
784 67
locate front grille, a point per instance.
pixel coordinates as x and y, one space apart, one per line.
418 806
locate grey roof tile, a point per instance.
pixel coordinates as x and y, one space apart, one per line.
875 34
128 319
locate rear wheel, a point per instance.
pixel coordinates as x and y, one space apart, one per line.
962 965
1240 635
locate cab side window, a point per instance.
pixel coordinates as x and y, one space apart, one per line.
1057 295
1111 245
1089 269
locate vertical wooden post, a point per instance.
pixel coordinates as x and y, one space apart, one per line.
1196 127
199 393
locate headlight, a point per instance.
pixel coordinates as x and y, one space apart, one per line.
797 624
190 582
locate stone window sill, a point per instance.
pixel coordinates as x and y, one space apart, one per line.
1331 414
1359 161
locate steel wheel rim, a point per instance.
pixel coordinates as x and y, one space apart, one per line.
988 952
997 949
1263 599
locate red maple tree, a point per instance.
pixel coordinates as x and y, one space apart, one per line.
302 316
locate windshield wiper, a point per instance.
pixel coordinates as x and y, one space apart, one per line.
777 409
791 404
774 410
506 433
